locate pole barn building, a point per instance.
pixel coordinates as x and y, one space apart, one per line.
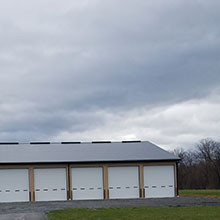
44 171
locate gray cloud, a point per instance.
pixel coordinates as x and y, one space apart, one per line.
64 66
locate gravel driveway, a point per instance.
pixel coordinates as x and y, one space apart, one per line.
37 210
23 216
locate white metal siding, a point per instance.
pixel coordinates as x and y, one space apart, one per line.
50 184
14 185
159 181
87 183
123 182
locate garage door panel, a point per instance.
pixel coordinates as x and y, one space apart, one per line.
159 181
84 193
14 185
87 183
123 182
50 184
46 194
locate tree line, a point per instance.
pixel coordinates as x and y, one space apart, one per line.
199 168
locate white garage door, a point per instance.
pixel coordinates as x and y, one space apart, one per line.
123 182
87 183
14 185
159 181
50 184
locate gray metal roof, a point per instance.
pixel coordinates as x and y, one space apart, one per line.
82 152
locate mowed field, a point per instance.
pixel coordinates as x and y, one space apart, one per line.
203 192
139 213
147 213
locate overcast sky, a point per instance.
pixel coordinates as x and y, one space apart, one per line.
110 70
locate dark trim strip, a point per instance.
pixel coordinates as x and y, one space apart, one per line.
138 141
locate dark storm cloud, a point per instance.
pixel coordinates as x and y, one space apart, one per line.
66 66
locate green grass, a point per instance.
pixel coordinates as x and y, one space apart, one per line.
138 213
211 192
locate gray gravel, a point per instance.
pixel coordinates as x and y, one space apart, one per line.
42 207
23 216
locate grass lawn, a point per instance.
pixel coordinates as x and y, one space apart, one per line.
203 192
139 213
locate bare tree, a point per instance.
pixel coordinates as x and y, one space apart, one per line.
209 152
199 168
